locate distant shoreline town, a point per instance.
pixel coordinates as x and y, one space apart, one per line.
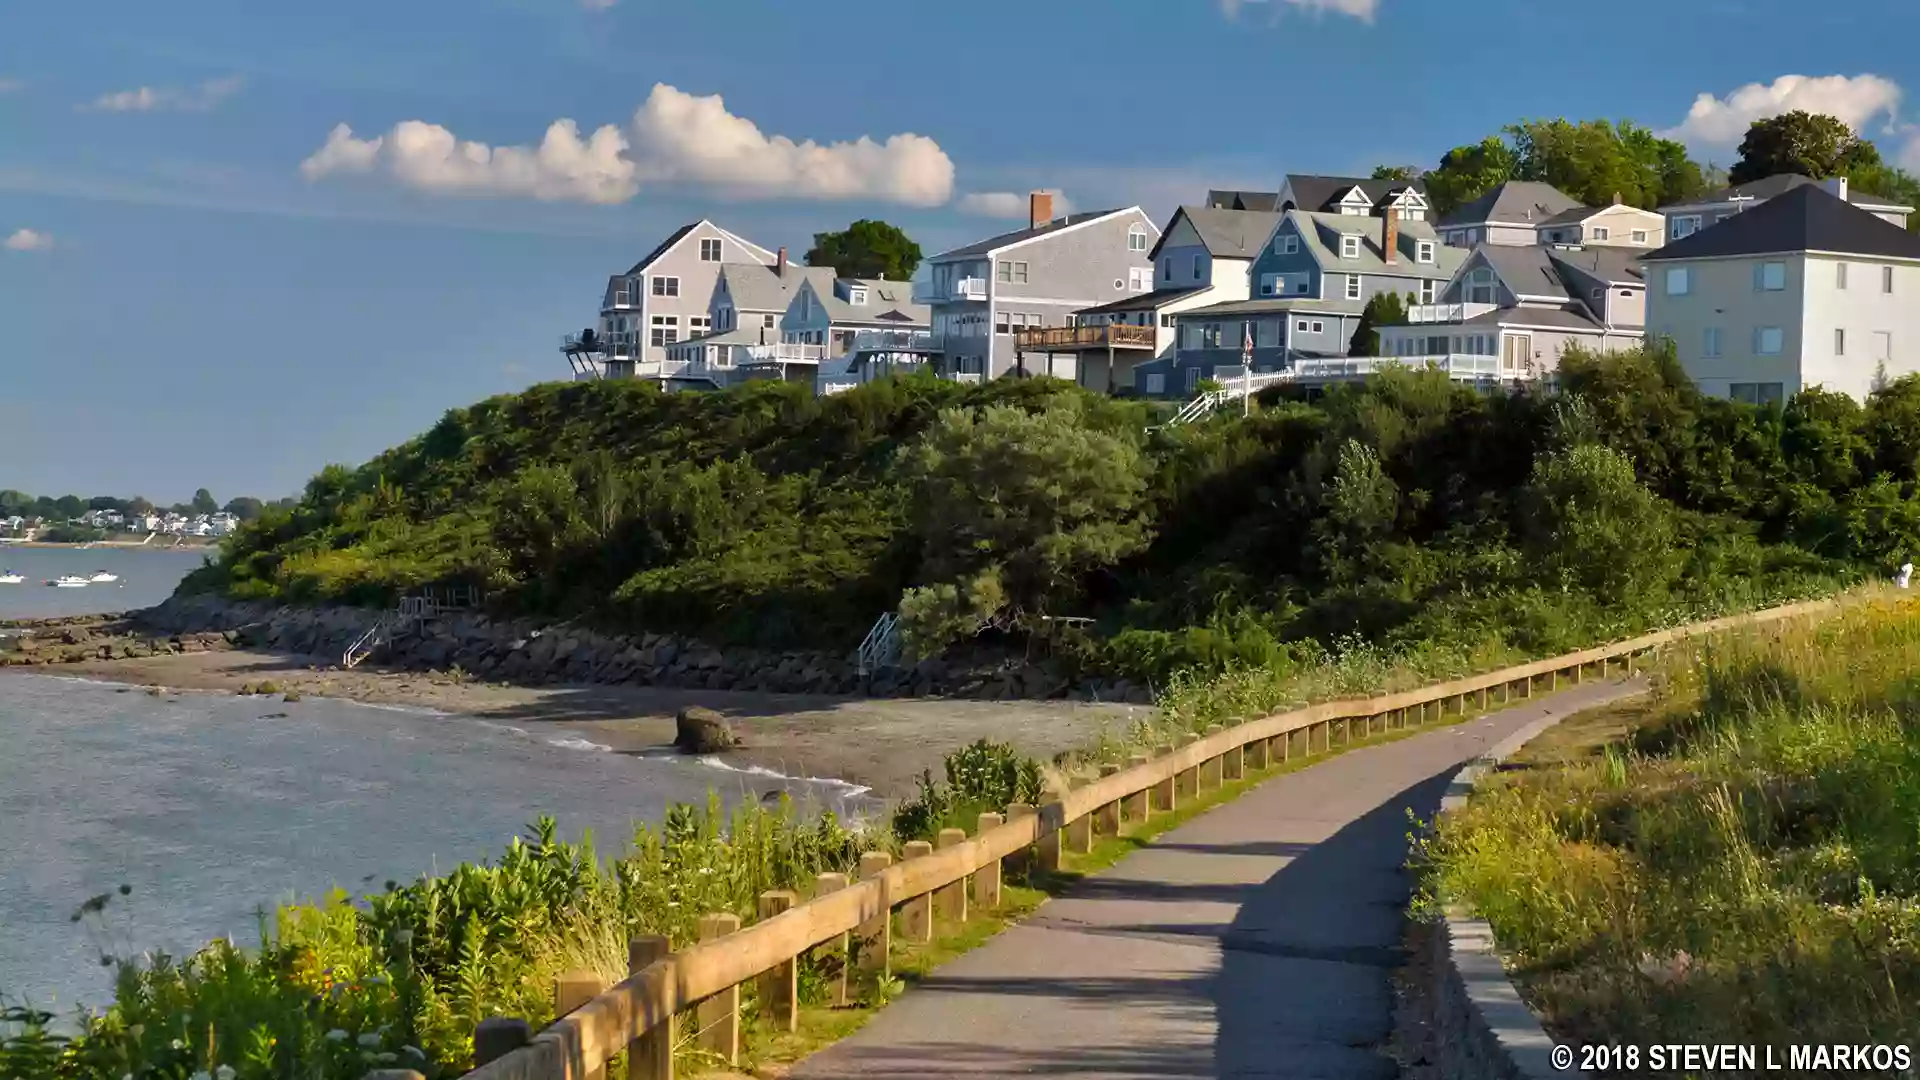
116 528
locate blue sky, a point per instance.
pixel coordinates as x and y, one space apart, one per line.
183 304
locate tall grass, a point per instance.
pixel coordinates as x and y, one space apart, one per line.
1745 868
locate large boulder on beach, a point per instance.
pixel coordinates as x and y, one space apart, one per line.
700 730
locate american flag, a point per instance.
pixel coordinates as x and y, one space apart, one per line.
1246 345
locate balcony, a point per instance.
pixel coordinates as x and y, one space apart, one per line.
779 353
1098 336
1446 313
623 300
1465 366
933 292
903 341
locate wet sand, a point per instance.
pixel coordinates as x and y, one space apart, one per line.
879 743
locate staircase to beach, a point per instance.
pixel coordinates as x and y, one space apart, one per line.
407 617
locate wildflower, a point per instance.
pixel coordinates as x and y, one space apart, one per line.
178 1044
369 1039
336 1035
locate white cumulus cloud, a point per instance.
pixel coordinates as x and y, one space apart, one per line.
1364 10
1721 122
28 240
1008 204
674 138
151 99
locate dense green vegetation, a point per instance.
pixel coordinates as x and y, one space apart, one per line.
67 507
1737 866
1409 513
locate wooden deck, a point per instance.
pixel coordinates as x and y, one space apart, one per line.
1069 338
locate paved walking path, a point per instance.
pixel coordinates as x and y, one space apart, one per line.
1258 940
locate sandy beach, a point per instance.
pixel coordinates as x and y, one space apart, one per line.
879 743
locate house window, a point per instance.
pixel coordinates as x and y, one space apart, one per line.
1001 320
1427 289
1316 327
857 295
1166 322
1005 271
1839 342
767 321
666 329
1140 278
1423 251
1296 284
1300 326
1156 382
666 286
709 251
1686 226
1886 279
1480 286
1764 393
1270 284
698 325
1193 379
1349 247
1679 280
1882 345
1166 268
1020 273
1770 277
1137 238
1639 236
1286 243
1710 343
1768 340
1210 336
1353 286
1473 237
1601 232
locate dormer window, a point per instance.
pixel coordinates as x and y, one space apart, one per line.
1349 246
1356 203
1423 251
1480 286
857 295
1137 238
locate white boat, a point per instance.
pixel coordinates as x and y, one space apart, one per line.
68 582
8 577
103 576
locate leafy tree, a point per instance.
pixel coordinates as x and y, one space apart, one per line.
866 249
139 506
1042 496
15 502
1383 309
1397 172
1590 160
246 508
68 506
1588 523
203 502
1810 144
1468 172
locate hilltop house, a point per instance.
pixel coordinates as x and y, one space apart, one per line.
1805 289
1511 213
1205 256
863 327
1354 196
663 299
1689 217
979 295
1509 312
1310 282
747 311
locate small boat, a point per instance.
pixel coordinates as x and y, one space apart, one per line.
103 576
68 581
8 577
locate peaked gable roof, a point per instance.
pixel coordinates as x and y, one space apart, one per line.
755 287
887 301
1266 201
673 240
1320 235
992 243
1769 187
1317 193
1806 218
1227 234
1515 202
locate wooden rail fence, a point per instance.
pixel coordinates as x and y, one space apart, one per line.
857 918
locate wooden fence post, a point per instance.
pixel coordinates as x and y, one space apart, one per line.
876 934
572 990
837 993
1213 771
1134 807
1187 785
916 913
986 880
1108 819
1165 793
1047 850
498 1036
1022 860
718 1017
1255 754
950 901
650 1057
780 986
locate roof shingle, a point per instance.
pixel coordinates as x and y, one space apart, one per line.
1516 202
1806 218
979 248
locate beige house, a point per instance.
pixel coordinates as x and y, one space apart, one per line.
661 301
1617 225
1685 219
1511 214
1804 290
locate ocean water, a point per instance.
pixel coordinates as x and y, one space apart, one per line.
209 806
147 576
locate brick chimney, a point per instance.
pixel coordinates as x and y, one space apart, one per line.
1390 237
780 263
1039 209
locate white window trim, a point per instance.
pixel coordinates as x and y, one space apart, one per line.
1760 277
1287 243
1639 236
1355 287
1760 341
1711 343
719 249
1601 232
1349 246
1423 251
1137 237
1681 275
665 285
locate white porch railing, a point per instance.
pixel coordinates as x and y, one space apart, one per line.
784 352
1441 313
1456 365
882 646
921 341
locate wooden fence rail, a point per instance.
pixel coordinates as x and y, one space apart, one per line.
640 1011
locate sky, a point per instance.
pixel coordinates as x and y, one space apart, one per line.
240 241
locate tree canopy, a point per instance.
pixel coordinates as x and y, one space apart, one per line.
1590 160
1801 142
866 249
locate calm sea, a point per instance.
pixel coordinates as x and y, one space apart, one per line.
208 806
147 576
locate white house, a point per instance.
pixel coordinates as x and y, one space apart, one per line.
1804 290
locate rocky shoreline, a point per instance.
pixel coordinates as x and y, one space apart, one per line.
530 652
